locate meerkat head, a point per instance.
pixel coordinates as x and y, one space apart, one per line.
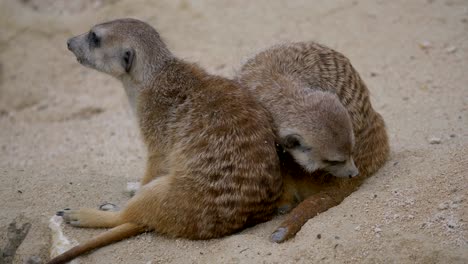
321 137
123 48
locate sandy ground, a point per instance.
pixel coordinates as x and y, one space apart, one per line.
67 138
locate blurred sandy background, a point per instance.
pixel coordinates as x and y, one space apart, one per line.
67 137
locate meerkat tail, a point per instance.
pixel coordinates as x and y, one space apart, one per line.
113 235
306 210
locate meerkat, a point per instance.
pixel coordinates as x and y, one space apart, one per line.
212 166
326 125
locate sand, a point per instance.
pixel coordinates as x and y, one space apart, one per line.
68 138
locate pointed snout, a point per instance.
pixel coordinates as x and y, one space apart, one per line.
353 171
70 44
75 45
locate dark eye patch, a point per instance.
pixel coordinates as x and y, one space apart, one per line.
94 40
291 141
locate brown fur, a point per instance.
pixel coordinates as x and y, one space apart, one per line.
212 164
318 68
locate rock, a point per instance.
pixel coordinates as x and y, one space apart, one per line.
435 140
16 233
109 207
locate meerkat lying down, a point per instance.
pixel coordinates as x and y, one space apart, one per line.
212 165
326 125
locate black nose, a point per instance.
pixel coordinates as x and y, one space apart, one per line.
68 44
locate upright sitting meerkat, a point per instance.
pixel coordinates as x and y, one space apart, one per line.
212 166
325 121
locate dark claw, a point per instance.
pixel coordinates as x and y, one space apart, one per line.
67 209
284 209
279 235
60 213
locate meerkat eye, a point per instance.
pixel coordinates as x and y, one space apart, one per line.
94 40
334 162
292 141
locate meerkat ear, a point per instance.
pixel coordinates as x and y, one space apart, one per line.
292 141
127 59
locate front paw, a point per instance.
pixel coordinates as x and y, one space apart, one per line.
280 235
284 209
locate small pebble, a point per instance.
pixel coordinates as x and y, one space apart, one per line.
319 236
425 45
435 140
451 49
453 135
373 74
377 230
357 228
451 224
109 207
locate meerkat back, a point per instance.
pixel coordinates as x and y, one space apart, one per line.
310 66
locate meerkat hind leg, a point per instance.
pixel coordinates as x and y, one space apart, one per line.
287 201
147 199
90 217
